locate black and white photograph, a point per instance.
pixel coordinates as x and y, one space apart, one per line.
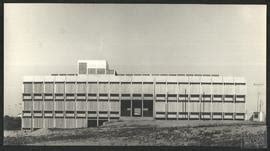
135 75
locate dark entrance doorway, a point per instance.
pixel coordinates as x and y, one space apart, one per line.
137 108
125 107
148 108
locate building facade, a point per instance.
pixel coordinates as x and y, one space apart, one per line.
97 94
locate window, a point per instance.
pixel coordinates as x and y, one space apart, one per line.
81 87
59 87
91 71
27 87
49 87
100 71
38 87
70 87
82 68
110 71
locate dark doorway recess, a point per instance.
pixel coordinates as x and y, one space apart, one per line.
92 123
125 107
136 108
148 108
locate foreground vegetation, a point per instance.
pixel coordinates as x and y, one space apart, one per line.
12 123
237 134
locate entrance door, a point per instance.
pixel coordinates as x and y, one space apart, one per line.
137 108
125 107
148 108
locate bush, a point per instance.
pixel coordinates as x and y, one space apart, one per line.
12 123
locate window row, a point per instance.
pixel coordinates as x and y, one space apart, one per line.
133 88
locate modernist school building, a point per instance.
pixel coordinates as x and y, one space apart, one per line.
97 94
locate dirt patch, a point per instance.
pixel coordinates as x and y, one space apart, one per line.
40 132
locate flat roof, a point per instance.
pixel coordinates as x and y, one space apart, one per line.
136 78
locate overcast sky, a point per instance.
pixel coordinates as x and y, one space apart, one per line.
40 39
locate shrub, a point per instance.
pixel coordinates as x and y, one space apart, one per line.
12 123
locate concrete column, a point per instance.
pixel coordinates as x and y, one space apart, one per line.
211 100
120 98
109 101
185 104
154 98
87 108
142 97
245 106
32 111
131 93
54 120
43 105
234 100
200 100
65 125
203 104
177 102
166 101
22 111
222 99
188 98
98 103
75 105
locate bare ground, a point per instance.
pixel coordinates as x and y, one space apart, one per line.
244 134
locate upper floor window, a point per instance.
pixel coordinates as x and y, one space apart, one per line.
82 68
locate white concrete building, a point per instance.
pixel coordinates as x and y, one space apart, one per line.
97 94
